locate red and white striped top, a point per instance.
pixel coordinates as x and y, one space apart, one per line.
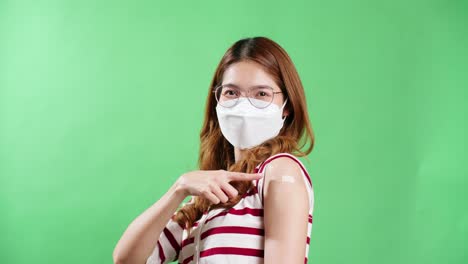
234 235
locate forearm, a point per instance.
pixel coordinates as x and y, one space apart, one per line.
141 236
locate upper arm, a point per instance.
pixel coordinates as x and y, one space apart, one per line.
168 247
286 211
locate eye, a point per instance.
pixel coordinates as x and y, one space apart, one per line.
263 93
229 93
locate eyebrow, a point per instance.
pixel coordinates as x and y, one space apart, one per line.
253 86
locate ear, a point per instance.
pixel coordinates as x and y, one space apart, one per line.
285 112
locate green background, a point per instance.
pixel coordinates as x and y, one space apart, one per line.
101 104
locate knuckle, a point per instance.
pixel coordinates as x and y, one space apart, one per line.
211 186
217 180
214 177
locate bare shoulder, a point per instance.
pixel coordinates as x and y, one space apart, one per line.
283 168
283 174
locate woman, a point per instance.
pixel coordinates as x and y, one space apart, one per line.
252 199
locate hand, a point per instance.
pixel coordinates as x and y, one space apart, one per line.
211 183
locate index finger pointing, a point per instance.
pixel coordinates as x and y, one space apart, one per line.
239 176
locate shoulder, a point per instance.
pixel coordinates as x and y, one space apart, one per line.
284 164
283 172
284 167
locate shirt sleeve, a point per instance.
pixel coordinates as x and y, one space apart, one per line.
169 244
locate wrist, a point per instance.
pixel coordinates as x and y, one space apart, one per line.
179 191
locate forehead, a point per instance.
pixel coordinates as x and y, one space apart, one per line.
247 74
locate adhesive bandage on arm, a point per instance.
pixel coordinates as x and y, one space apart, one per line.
287 178
284 178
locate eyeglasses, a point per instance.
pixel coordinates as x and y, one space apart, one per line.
227 95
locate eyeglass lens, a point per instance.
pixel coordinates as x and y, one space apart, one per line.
259 97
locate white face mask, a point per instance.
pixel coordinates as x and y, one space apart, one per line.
246 126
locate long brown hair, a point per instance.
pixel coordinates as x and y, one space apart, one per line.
217 153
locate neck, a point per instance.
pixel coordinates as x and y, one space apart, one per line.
239 153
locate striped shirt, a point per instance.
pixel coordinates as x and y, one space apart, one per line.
234 235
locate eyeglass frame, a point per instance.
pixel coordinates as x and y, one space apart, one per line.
248 91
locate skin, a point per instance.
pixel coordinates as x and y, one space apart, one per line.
286 202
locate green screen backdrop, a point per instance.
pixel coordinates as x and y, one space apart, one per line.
101 103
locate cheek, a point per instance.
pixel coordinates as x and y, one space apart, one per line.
278 101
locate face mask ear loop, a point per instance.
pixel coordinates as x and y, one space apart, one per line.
283 108
285 101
